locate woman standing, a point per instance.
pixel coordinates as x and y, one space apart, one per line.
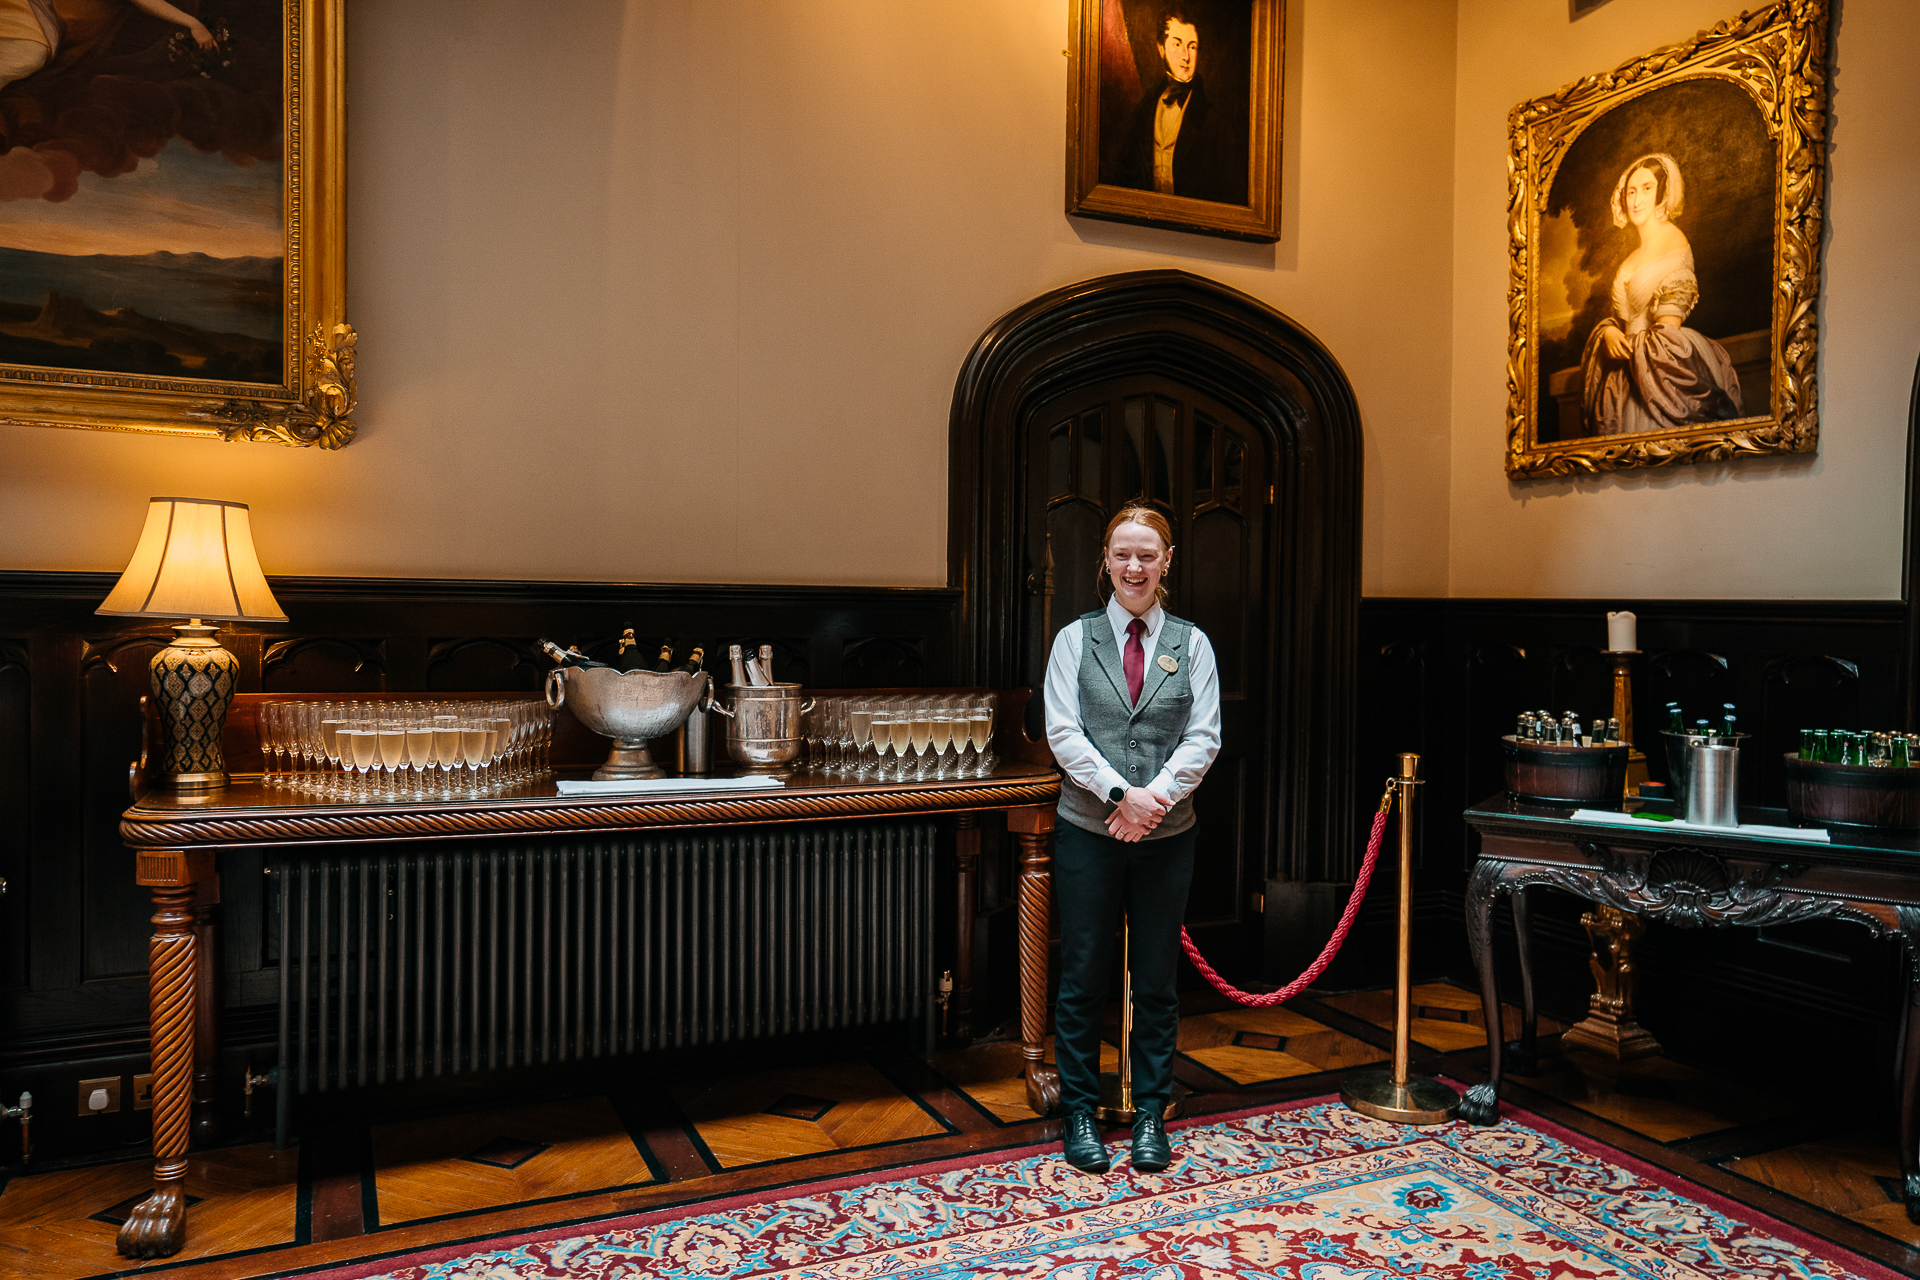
1133 717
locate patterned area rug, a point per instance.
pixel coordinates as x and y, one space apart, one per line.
1317 1193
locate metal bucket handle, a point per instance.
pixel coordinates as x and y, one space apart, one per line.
714 703
557 680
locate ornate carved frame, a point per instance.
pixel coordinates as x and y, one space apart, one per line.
315 402
1778 54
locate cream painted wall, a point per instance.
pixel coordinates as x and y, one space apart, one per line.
678 291
1825 527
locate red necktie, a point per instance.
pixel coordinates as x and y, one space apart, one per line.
1134 661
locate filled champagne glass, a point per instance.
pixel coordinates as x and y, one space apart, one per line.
420 752
474 741
980 725
920 733
942 739
330 741
900 733
446 750
880 729
393 750
859 733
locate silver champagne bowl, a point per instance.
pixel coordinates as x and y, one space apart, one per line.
630 707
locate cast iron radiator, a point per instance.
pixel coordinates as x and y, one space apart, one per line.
400 965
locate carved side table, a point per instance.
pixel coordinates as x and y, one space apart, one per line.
1693 880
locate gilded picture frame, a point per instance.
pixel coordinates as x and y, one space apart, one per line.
1202 79
187 268
1664 253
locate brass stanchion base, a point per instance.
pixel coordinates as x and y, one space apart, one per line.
1424 1100
1110 1110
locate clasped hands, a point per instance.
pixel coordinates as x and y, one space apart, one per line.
1138 813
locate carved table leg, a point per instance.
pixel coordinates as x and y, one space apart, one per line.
205 1130
1523 1054
1481 1105
157 1226
1909 1066
1034 827
1609 1025
966 857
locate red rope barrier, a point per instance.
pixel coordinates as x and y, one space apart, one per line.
1267 1000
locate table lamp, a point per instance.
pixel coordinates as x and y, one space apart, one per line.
195 560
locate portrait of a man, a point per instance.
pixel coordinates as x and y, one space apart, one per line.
1173 114
1178 138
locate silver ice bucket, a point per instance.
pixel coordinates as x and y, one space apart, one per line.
763 724
1682 762
630 707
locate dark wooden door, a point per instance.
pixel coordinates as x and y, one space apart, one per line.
1091 450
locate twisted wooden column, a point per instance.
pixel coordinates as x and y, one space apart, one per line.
206 1031
966 859
157 1226
1034 829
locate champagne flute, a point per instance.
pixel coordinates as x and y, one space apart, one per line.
393 749
980 723
330 741
900 732
446 749
880 728
920 732
366 754
474 740
860 733
942 737
419 751
497 772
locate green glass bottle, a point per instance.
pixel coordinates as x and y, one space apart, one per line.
1727 719
1806 745
1676 723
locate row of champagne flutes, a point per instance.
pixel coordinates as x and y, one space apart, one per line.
374 750
898 738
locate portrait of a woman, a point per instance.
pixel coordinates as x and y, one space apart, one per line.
1643 369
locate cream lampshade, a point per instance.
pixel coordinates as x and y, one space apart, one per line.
195 560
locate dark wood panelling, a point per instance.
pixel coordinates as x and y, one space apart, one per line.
1446 677
73 926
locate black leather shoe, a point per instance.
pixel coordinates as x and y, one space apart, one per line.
1081 1144
1152 1152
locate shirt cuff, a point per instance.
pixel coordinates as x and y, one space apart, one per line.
1106 780
1165 784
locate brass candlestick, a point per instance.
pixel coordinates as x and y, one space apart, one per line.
1399 1095
1623 712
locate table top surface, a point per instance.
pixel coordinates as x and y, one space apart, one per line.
251 812
1503 813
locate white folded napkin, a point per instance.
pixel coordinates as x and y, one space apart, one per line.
1811 835
643 786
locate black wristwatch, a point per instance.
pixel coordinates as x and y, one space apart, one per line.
1117 794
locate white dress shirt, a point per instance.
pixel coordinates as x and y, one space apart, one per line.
1191 757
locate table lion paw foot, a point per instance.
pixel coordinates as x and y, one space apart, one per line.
157 1227
1481 1105
1043 1089
1913 1197
1522 1060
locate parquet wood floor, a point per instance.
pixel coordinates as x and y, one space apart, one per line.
369 1189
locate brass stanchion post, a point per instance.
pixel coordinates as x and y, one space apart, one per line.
1116 1087
1399 1095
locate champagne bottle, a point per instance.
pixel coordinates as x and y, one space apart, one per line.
664 662
568 657
766 662
739 669
755 675
622 659
694 662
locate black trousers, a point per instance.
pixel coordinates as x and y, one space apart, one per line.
1096 880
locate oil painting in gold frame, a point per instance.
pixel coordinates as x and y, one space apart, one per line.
172 219
1173 114
1664 235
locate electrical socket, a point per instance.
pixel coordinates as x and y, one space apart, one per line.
110 1085
143 1092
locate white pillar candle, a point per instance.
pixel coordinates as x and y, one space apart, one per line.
1621 635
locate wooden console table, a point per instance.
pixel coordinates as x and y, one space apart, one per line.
175 839
1693 880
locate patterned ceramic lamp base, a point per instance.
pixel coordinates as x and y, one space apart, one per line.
193 681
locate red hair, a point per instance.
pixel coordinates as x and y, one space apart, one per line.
1138 513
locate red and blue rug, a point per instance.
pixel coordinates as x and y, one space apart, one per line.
1314 1193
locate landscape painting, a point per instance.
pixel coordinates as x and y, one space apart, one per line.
142 228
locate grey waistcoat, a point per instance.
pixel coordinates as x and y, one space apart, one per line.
1135 740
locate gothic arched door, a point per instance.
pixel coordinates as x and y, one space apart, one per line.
1089 452
1243 428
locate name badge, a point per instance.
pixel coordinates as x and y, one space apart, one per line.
1167 664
